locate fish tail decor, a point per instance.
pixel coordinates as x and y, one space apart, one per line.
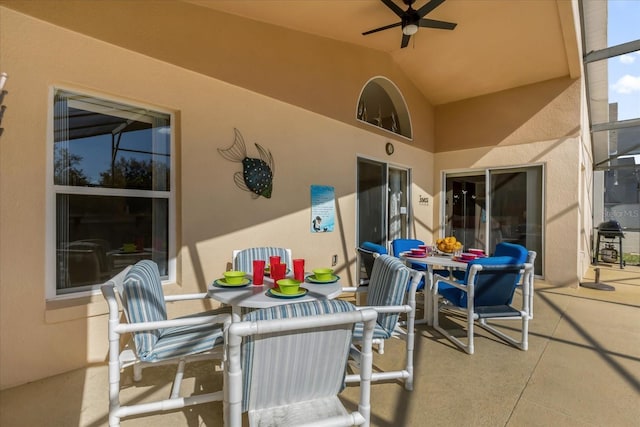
257 174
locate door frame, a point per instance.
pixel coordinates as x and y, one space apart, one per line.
385 208
486 172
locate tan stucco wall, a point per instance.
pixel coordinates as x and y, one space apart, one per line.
215 217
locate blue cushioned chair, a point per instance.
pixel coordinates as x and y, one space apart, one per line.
404 245
486 293
387 294
287 365
157 340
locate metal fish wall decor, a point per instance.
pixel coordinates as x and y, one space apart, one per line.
257 174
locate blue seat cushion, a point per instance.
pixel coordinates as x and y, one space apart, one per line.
501 294
373 247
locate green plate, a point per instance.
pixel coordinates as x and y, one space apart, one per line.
222 283
277 294
312 279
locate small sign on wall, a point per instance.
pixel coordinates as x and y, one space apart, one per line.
323 208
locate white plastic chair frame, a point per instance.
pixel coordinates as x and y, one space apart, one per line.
234 377
119 360
531 259
471 316
404 330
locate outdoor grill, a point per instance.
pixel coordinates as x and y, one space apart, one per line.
610 231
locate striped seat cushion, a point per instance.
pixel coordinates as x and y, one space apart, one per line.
387 286
185 340
143 301
296 349
244 259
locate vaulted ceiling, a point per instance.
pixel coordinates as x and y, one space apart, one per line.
496 45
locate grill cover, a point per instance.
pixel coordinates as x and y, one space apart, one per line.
610 229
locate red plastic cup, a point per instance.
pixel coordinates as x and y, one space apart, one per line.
298 269
277 272
273 260
258 271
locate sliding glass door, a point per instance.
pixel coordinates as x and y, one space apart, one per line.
383 197
487 207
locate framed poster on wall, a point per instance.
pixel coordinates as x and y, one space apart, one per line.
323 208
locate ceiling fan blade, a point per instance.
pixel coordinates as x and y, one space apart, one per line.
405 41
429 7
386 27
441 25
396 9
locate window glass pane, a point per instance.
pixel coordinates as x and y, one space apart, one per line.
112 182
515 210
98 236
105 144
624 87
623 17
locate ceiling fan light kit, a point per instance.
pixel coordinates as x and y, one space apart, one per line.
411 19
410 29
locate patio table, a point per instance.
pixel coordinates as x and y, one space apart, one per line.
252 296
430 262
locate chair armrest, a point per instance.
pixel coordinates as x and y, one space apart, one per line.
354 289
185 297
387 308
189 321
437 278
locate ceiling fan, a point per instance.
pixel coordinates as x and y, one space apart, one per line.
411 19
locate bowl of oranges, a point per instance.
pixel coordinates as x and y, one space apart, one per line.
449 245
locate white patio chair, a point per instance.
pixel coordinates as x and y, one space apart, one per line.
286 365
243 258
485 294
392 291
156 341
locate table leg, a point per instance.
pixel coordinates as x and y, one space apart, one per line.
428 299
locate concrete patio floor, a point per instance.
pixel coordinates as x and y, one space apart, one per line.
582 369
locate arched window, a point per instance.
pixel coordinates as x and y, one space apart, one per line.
382 105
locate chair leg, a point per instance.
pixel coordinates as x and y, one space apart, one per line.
137 372
522 344
470 322
175 390
380 344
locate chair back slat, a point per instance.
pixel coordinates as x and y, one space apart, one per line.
143 301
314 361
387 286
243 259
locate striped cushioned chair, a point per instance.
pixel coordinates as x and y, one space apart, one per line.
300 350
243 259
485 294
386 294
156 340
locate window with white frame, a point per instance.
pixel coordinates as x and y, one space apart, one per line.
113 194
